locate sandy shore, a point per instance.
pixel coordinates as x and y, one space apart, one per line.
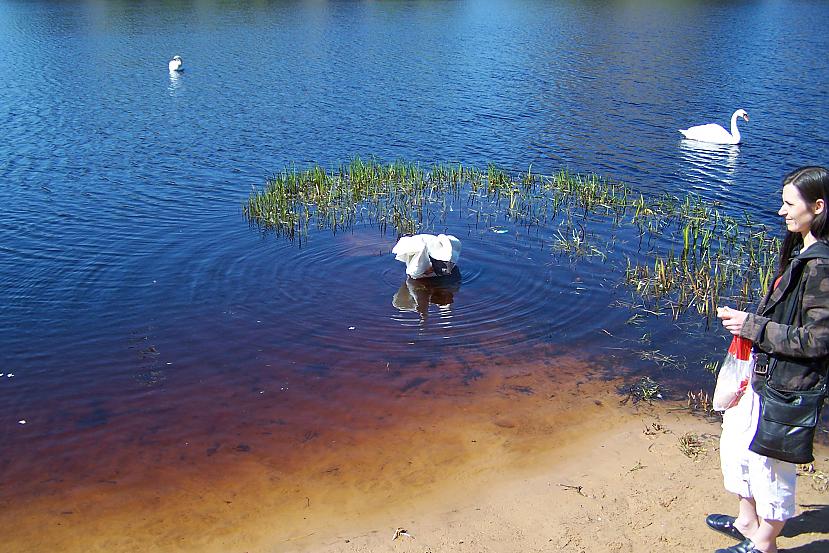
625 486
536 454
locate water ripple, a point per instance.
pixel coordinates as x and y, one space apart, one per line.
123 185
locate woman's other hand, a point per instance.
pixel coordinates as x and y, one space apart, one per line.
732 319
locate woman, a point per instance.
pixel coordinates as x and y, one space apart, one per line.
766 486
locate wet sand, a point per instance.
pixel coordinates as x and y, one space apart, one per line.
539 455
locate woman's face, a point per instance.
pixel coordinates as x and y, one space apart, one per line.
799 215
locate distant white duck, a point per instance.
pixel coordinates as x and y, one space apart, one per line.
714 133
176 64
427 255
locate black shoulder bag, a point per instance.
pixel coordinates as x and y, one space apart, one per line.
788 419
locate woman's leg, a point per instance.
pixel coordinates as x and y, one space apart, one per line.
765 538
747 521
773 486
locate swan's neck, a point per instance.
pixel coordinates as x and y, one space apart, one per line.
735 132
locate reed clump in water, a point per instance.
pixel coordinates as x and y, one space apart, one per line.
645 389
399 194
691 255
712 258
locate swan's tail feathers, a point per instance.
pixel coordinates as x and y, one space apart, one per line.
684 133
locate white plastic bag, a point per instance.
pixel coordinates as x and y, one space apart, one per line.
735 374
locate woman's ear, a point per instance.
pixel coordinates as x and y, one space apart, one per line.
820 205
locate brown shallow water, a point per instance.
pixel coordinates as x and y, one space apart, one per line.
246 417
252 480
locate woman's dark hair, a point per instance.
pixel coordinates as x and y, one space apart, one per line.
812 183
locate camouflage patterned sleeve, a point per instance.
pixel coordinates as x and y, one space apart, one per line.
810 340
753 327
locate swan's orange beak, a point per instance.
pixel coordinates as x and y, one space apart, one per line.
745 117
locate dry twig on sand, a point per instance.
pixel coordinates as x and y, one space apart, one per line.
691 446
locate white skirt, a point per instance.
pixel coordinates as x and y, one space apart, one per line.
770 482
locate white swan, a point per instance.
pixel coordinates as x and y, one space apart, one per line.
427 255
714 133
176 64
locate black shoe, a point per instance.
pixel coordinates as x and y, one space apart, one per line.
745 546
724 524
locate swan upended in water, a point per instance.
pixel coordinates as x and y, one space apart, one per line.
427 255
714 133
176 64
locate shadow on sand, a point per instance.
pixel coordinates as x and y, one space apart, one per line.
815 520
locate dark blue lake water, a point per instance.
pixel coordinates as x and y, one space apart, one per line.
129 278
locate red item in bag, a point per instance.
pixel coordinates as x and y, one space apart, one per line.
741 348
735 374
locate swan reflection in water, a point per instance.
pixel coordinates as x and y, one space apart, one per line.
175 82
415 295
707 162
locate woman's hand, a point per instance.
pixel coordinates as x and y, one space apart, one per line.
732 319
